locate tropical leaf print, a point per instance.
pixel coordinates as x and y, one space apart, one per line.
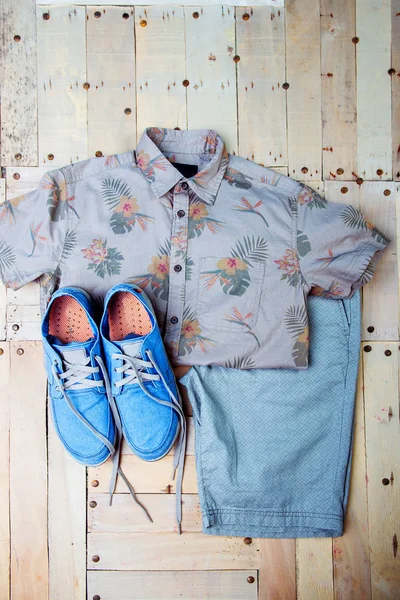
236 317
233 271
237 179
246 206
296 322
240 362
353 218
125 208
103 260
58 201
311 198
34 232
191 335
158 273
290 267
7 208
199 220
7 257
303 244
49 281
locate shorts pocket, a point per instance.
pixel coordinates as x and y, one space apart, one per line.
344 308
229 293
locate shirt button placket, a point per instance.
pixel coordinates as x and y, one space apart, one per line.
177 269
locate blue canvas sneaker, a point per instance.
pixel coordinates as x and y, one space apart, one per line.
143 384
80 410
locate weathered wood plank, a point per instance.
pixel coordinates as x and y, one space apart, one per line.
23 313
21 180
165 2
277 572
28 473
261 73
18 110
339 98
3 292
62 108
122 516
5 471
210 48
171 552
373 25
146 477
164 585
303 68
382 429
351 569
381 294
160 67
66 522
314 569
111 76
395 64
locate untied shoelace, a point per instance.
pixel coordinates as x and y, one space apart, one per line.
76 376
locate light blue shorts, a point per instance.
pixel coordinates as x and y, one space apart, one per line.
274 446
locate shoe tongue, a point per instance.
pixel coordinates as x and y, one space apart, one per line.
74 352
131 345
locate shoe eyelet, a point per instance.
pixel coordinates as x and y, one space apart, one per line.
58 388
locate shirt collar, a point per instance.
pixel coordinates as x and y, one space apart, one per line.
158 148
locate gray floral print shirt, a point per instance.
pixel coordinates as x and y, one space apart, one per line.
226 249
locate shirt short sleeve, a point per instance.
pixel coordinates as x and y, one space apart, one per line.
32 231
337 247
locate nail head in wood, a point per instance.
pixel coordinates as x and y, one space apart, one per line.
247 541
250 579
125 16
50 156
371 329
340 171
236 58
359 180
355 40
1 351
18 156
388 353
143 23
17 38
177 128
386 192
379 172
97 14
95 483
245 16
195 15
344 189
86 85
304 170
96 558
127 111
16 176
96 597
367 348
20 351
46 16
285 85
92 504
385 481
391 71
185 82
15 327
99 153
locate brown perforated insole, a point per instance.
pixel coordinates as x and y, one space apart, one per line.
127 315
68 321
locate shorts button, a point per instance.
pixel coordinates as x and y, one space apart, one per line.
174 320
177 268
181 213
184 185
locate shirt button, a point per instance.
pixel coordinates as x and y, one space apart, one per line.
184 185
177 268
174 320
181 213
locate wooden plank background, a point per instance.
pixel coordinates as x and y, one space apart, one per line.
310 89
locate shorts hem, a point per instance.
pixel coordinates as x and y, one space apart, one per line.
270 524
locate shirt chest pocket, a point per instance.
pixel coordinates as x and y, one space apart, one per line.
229 293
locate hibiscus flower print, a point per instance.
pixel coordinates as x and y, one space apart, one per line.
199 219
233 272
157 277
191 335
290 267
311 198
58 201
124 206
102 259
148 165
